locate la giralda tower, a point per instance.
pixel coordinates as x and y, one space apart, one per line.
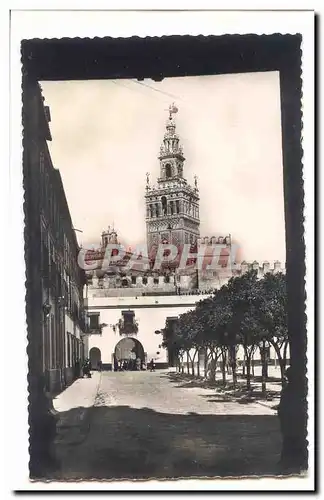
172 205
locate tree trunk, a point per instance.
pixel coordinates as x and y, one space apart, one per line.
224 367
281 362
206 363
285 354
195 356
248 372
263 369
233 366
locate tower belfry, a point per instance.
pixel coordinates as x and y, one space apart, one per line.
172 206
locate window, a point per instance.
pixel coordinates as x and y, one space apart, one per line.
168 171
128 317
156 281
94 321
133 280
144 280
128 324
68 349
167 279
164 205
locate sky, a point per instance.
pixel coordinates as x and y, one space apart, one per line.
107 134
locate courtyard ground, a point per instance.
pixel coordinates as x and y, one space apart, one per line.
161 425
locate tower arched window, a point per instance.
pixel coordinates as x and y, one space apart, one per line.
164 205
168 171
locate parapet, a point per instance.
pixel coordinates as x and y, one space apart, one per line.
262 268
214 240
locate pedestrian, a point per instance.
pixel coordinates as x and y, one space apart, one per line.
87 368
152 365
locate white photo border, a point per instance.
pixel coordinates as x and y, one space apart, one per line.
57 24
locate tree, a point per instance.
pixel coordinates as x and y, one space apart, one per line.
247 311
244 327
273 315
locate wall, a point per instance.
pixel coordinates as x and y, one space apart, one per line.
151 314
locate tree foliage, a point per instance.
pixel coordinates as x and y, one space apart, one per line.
247 311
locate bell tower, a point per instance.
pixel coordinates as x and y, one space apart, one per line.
172 205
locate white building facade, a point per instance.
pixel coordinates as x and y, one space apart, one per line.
149 314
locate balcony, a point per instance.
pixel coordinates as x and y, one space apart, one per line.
127 327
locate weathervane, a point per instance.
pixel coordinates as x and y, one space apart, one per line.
172 110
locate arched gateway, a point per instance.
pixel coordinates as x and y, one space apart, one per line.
129 348
95 357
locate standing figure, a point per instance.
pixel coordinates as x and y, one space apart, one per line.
152 365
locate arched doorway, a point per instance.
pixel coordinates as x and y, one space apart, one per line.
95 357
129 350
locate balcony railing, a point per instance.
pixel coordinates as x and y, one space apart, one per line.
127 328
95 330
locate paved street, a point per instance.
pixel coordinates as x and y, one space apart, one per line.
142 424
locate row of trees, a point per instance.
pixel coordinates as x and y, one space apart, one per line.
247 312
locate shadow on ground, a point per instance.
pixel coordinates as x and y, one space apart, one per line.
123 442
225 394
